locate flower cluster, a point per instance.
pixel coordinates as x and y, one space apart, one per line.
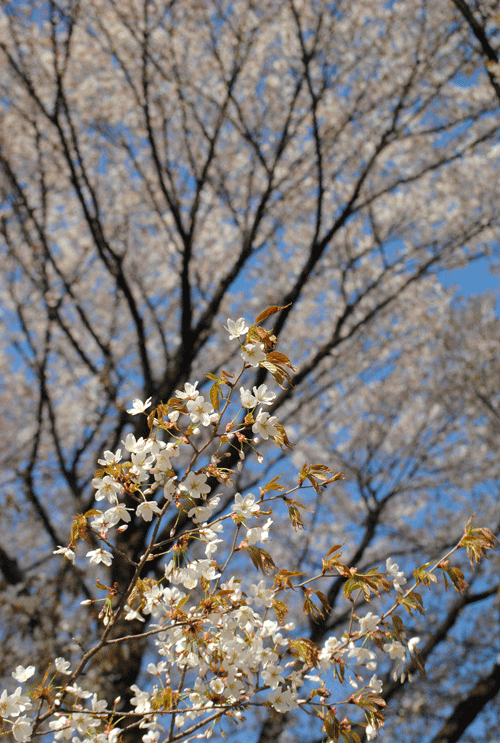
223 643
13 705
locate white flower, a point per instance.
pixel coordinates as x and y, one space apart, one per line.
163 457
196 484
63 666
141 701
247 399
118 513
66 551
395 650
363 656
11 705
142 461
62 727
199 410
133 614
369 623
217 686
265 425
134 446
233 585
99 555
158 668
169 489
102 522
211 546
209 534
78 691
204 512
98 705
190 575
371 732
330 647
375 684
265 398
190 392
106 487
146 510
139 406
397 575
259 533
234 686
22 674
110 458
246 506
272 675
253 353
235 329
22 729
412 644
152 736
263 596
283 700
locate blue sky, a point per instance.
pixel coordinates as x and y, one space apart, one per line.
475 278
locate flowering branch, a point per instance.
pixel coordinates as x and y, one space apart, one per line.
220 652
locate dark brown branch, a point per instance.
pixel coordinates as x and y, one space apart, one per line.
466 711
480 34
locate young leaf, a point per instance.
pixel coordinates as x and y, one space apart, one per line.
269 312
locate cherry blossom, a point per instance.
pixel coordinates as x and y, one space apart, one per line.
139 407
67 552
250 643
23 674
236 328
397 575
22 728
247 399
369 623
110 457
200 411
282 699
246 507
263 396
272 675
395 649
196 484
62 665
376 684
106 488
253 353
11 705
201 514
147 509
259 533
265 425
100 556
262 595
189 392
364 656
412 644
